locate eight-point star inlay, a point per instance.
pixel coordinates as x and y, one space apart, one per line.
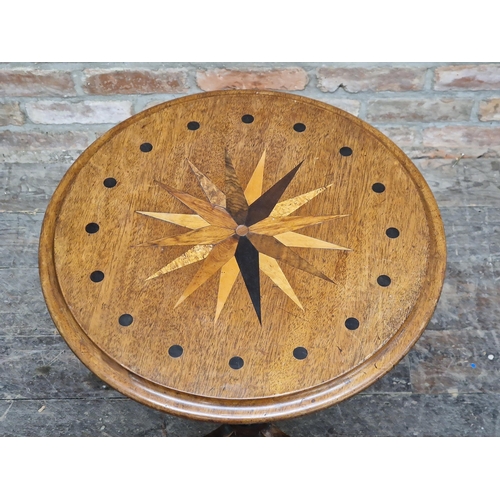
242 231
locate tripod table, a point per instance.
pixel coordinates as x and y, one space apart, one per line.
242 257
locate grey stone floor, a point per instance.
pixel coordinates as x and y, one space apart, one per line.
448 385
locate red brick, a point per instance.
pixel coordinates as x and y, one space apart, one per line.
258 79
63 112
473 141
461 136
371 79
34 140
470 77
32 83
402 136
489 110
149 104
10 114
349 105
419 110
138 81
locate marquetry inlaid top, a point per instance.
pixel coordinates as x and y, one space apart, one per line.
242 256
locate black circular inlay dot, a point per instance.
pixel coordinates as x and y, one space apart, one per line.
110 182
345 151
247 118
299 127
351 323
392 232
384 280
175 351
236 363
378 187
193 125
146 147
97 276
92 228
125 320
300 353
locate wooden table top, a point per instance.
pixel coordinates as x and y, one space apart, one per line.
242 256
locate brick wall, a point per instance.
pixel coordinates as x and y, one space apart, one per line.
50 112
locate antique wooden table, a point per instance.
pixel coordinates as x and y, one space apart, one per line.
242 256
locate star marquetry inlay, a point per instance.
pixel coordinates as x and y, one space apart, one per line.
242 231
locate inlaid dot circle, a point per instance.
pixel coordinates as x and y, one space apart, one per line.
384 280
236 363
175 351
97 276
241 240
92 227
125 320
378 187
352 323
392 232
300 353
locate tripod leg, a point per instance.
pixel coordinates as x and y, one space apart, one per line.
252 430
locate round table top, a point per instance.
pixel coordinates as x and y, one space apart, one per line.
242 256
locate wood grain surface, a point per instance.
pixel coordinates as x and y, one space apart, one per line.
233 174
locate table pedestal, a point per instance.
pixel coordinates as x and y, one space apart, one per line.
253 430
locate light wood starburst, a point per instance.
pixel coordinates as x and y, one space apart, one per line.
242 231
